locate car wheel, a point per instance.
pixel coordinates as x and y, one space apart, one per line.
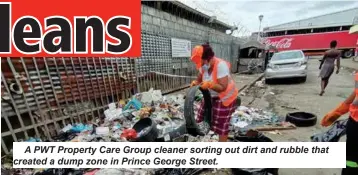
302 119
268 81
304 79
348 53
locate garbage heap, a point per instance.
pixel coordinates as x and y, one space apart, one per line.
119 121
120 124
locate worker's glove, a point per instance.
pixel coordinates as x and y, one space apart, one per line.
207 85
194 83
332 116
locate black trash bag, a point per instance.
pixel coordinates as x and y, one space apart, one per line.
333 134
253 136
65 136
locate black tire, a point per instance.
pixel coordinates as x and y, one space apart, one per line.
268 81
348 53
151 135
189 115
304 79
302 119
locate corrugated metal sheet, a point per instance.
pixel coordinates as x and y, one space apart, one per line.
342 18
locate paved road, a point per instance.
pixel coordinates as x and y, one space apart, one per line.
288 96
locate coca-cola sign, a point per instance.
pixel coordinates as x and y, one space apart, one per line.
284 43
314 41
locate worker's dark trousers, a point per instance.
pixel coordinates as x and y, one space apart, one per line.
351 148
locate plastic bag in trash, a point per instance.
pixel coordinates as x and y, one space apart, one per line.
81 128
337 130
31 139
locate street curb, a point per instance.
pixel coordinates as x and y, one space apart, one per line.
247 86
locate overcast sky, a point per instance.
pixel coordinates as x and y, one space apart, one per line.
275 12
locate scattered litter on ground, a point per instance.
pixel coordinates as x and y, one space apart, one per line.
277 126
289 107
245 118
276 132
333 134
165 112
260 84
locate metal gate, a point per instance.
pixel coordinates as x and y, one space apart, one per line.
42 95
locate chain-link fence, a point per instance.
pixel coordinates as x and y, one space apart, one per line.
42 95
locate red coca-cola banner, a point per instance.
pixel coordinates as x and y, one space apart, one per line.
317 41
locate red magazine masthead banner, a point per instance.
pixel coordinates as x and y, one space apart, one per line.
79 28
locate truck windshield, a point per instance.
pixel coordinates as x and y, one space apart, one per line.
287 55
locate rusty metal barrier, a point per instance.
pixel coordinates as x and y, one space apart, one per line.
42 95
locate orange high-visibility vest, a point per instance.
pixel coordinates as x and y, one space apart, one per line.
353 109
231 92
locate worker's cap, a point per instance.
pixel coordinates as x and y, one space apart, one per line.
197 55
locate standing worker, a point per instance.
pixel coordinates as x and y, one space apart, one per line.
327 65
214 75
349 105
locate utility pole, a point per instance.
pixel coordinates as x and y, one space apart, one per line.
258 34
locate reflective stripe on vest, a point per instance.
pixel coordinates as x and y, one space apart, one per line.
351 164
231 92
353 109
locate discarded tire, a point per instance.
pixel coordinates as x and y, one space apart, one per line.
191 125
302 119
151 134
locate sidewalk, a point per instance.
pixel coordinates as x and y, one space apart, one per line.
349 63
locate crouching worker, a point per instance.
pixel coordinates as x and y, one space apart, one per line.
214 75
349 105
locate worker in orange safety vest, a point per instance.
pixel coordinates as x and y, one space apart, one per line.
349 105
214 75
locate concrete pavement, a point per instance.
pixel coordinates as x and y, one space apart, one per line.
287 96
345 63
349 63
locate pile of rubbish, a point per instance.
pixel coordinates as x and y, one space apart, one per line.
165 112
149 117
247 118
118 122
